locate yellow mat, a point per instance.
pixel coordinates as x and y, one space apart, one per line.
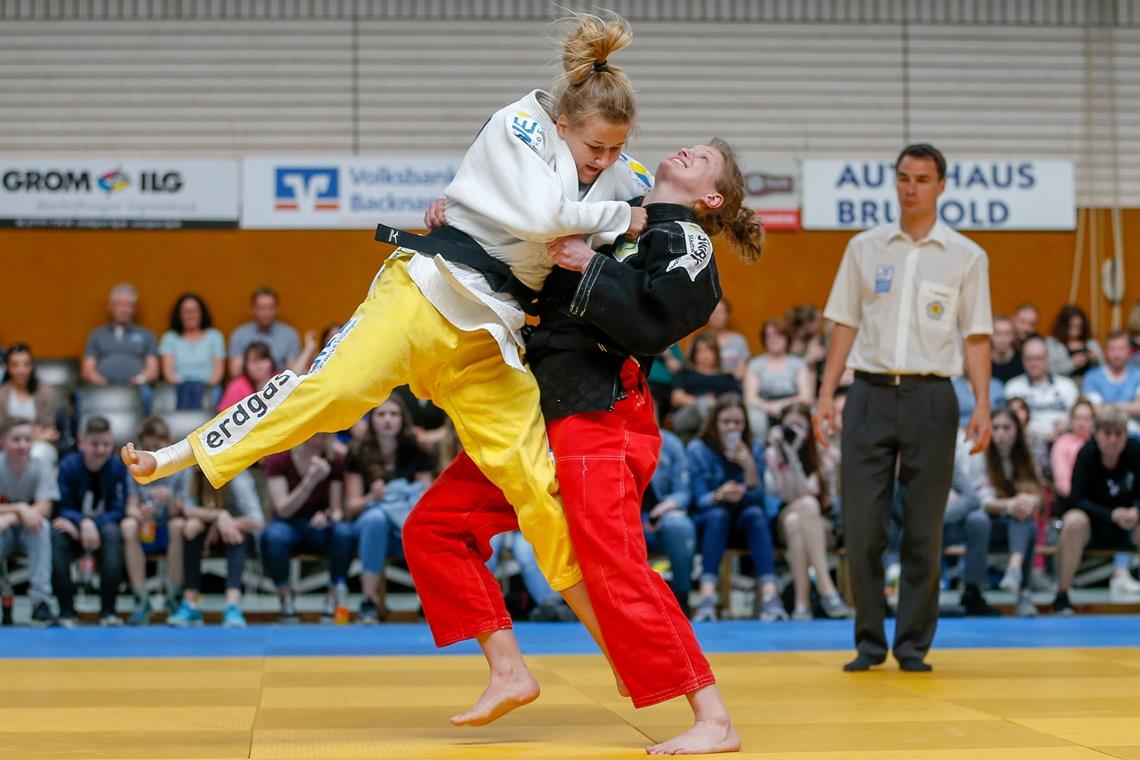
1039 704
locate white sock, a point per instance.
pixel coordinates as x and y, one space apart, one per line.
172 459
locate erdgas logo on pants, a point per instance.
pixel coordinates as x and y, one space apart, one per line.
241 418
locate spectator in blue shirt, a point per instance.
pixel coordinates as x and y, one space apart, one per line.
728 501
665 516
1116 382
193 353
92 502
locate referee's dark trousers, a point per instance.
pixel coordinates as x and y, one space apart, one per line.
912 421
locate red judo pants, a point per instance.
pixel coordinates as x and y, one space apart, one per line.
605 461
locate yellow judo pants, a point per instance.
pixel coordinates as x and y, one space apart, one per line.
395 337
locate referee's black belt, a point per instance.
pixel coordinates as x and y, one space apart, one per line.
878 378
459 247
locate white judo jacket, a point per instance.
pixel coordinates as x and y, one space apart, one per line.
517 189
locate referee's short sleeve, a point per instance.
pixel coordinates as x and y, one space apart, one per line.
975 316
845 304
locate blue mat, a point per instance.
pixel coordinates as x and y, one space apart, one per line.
540 638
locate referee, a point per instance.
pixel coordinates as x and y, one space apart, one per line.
906 298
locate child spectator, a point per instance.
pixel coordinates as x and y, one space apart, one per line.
154 525
307 489
775 380
385 474
795 473
122 352
727 471
697 386
665 516
92 503
27 490
23 396
193 352
734 350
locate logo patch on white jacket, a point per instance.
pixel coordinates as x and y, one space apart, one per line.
526 128
698 251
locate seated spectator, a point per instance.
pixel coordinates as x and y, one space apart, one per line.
966 401
795 472
967 523
27 489
283 341
1063 455
1072 350
23 396
386 472
1104 515
1049 396
775 380
430 425
1011 493
696 387
665 516
228 527
1115 381
121 352
154 525
665 365
806 325
734 350
1025 319
257 369
1038 447
728 499
307 490
92 503
549 607
193 353
1005 354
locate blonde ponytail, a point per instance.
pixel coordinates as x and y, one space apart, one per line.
590 85
732 217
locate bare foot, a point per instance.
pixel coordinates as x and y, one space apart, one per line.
504 693
142 464
705 737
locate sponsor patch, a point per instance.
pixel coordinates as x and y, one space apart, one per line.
643 175
331 346
625 250
241 418
884 275
526 128
698 251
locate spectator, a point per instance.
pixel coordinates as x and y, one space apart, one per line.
1063 456
967 523
1104 497
283 341
92 502
1116 382
385 474
665 516
665 365
1011 492
549 605
728 498
121 352
795 472
734 350
696 387
230 527
154 525
775 380
1038 447
23 396
966 401
1005 354
308 500
27 490
193 352
1025 318
430 424
806 324
1049 396
257 368
1072 350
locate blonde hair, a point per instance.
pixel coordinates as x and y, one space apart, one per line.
589 84
732 217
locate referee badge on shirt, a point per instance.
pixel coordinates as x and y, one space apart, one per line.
884 274
935 310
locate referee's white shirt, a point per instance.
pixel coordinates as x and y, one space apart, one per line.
911 301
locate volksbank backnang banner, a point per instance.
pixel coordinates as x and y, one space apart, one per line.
118 193
348 192
980 194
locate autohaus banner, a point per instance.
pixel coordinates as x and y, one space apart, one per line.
118 193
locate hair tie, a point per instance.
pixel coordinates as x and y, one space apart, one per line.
600 66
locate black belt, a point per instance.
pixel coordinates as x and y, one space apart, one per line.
456 246
878 378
